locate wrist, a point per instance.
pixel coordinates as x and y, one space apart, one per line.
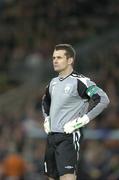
85 119
47 118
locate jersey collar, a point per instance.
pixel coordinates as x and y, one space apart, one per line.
61 78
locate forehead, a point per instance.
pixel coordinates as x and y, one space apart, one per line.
59 53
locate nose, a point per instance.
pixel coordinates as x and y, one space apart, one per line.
55 61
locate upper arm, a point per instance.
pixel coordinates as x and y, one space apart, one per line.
88 89
98 99
46 101
82 88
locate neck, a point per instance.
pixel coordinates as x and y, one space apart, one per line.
65 72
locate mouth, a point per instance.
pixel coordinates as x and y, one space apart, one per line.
55 65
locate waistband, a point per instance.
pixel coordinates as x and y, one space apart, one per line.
51 133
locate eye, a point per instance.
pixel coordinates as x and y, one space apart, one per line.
59 57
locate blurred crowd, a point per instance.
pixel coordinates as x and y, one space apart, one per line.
28 32
22 144
30 29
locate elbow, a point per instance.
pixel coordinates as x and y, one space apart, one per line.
107 101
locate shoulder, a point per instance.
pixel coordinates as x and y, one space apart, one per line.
53 81
80 78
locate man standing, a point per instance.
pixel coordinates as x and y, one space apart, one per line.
66 110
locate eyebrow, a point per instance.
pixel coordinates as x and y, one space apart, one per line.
56 56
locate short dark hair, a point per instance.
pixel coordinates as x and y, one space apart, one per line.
70 52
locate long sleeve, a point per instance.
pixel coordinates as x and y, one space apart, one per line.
46 101
89 90
100 101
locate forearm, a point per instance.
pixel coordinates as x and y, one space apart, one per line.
44 111
99 107
46 100
96 110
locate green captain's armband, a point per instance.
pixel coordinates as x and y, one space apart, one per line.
92 90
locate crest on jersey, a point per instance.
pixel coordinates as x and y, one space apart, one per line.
67 88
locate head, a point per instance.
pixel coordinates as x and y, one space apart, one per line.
63 57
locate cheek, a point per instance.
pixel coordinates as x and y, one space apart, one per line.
63 63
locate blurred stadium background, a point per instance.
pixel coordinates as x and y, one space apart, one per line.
29 29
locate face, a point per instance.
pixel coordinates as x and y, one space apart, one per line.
60 61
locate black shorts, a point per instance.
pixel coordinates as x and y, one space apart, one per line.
62 154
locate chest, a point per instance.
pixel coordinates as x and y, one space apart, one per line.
63 90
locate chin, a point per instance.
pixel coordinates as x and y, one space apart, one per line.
57 70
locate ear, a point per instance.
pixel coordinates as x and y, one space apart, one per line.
70 61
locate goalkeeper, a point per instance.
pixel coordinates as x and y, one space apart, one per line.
66 110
